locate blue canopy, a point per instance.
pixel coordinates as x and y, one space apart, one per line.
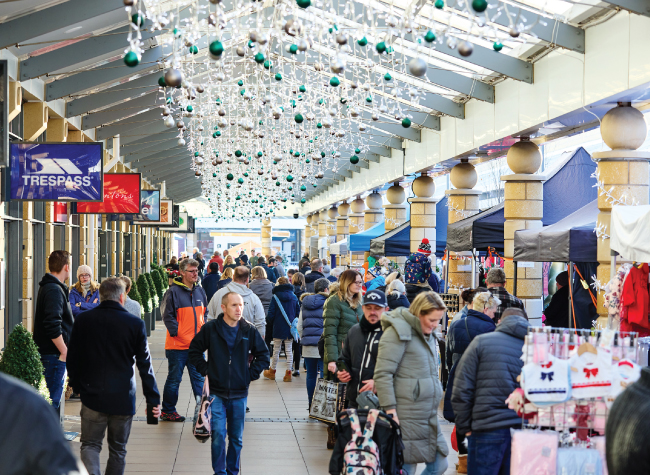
360 242
567 190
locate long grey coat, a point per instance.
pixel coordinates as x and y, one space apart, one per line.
406 378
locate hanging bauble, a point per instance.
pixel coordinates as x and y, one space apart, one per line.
267 64
137 19
303 45
369 99
289 178
497 45
131 59
465 49
169 121
259 58
440 4
161 81
241 52
357 150
181 142
342 39
303 188
406 122
479 6
194 49
173 77
302 88
190 108
216 49
303 201
215 2
418 67
430 37
354 159
298 118
212 20
514 33
230 177
278 77
240 181
130 3
452 42
362 41
334 81
380 47
303 3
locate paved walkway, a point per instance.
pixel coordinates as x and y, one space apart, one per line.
279 439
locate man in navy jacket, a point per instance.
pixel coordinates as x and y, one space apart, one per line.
229 340
103 345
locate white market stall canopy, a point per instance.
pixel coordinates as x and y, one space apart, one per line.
630 232
339 248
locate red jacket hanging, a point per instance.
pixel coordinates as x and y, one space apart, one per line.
635 301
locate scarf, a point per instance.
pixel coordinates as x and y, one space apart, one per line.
366 326
85 288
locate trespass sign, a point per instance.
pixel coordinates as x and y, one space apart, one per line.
56 171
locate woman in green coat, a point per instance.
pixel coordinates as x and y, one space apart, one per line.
406 379
341 311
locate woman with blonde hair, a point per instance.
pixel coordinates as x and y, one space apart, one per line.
299 285
341 311
229 263
262 287
226 278
478 320
406 379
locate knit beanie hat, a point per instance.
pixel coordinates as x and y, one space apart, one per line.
425 247
84 270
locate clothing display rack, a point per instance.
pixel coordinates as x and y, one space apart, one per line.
642 347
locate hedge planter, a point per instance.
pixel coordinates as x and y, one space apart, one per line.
147 322
158 315
153 319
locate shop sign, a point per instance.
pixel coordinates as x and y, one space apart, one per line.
60 212
121 195
182 223
149 208
56 171
165 215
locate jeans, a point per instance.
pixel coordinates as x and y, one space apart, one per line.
437 467
297 350
489 453
314 369
93 428
232 412
177 360
54 372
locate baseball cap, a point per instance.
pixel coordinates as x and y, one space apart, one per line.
375 297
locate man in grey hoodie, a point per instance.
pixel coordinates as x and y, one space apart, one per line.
253 311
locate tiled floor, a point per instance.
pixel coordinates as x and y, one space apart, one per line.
279 439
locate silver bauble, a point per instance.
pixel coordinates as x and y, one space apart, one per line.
392 21
200 128
342 39
233 121
318 66
220 76
418 67
451 43
303 45
375 116
354 112
215 2
362 127
221 111
383 108
130 3
169 121
188 42
222 123
262 38
166 111
181 142
200 89
465 49
253 35
173 77
366 87
480 21
199 161
514 33
241 52
327 123
180 124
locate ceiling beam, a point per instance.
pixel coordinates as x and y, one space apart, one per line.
150 141
641 7
130 124
122 110
136 152
137 133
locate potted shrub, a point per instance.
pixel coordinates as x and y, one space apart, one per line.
21 360
145 297
158 281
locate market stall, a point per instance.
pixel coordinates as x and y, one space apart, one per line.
360 242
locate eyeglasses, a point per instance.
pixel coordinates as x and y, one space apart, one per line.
84 275
358 282
195 271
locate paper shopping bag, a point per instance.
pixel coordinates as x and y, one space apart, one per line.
203 414
328 400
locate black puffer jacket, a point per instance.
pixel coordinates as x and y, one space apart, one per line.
412 291
397 302
486 375
360 355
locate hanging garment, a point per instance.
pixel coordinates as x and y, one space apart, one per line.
591 373
547 383
578 461
613 290
534 452
625 373
635 301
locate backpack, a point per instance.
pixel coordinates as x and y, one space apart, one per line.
361 454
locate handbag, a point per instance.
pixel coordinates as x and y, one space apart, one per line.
203 414
293 326
328 400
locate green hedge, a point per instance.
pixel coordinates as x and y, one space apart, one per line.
158 280
21 358
145 295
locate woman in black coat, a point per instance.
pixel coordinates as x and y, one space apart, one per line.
396 295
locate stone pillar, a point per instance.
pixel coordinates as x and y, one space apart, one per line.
307 234
357 207
395 213
267 237
524 209
423 212
373 215
463 202
342 231
623 173
322 233
332 213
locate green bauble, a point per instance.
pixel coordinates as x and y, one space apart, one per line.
357 150
230 177
238 153
190 108
322 154
216 48
369 99
303 3
302 88
479 6
440 4
303 188
137 19
380 47
277 183
267 64
278 77
497 46
293 49
430 37
362 42
334 81
240 181
194 49
240 83
214 175
354 159
161 81
259 58
319 125
131 59
259 154
406 122
303 201
289 178
388 77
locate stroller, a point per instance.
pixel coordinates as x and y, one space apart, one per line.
387 436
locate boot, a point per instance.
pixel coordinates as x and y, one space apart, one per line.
287 376
462 464
331 436
269 374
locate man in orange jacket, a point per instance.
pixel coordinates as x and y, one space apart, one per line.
184 310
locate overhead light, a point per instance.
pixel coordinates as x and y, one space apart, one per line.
74 28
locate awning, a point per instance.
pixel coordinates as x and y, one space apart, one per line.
339 248
567 188
378 245
360 242
630 231
570 239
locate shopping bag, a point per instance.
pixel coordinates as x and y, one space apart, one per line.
328 400
203 414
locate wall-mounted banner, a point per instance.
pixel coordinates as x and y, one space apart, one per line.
165 216
121 195
182 223
149 209
60 212
4 113
56 171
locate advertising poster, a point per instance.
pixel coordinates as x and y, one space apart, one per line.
182 223
55 171
165 215
149 209
60 212
121 195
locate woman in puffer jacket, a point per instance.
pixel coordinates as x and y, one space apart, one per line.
406 379
84 295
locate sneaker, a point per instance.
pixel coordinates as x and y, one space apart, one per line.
248 409
296 373
171 417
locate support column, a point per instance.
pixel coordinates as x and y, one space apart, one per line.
524 209
423 212
342 231
373 215
623 175
267 237
332 213
322 233
357 207
307 234
28 265
463 202
395 214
